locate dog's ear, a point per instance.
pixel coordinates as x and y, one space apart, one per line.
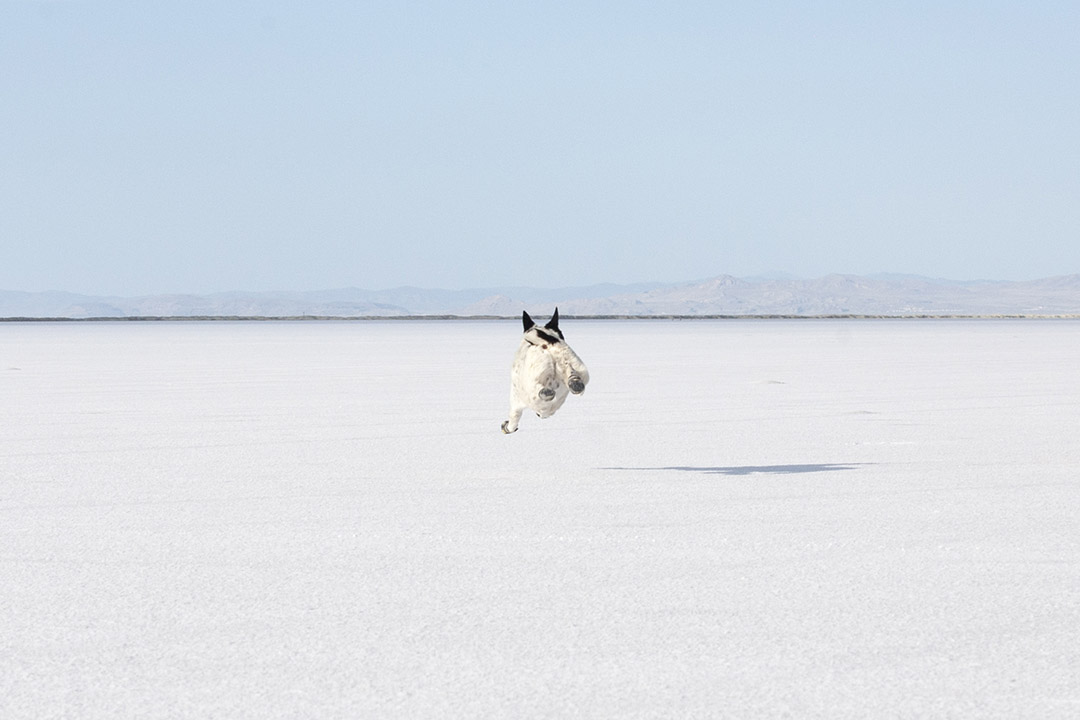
526 320
553 323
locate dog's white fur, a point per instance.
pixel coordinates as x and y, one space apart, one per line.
545 371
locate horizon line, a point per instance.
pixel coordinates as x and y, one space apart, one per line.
454 318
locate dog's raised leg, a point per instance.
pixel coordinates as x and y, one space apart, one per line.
570 367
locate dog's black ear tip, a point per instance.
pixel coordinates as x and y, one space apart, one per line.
553 323
526 320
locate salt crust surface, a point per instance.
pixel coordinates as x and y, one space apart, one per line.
737 519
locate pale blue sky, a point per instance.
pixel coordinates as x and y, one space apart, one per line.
203 146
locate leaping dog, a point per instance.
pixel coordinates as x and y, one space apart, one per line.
545 370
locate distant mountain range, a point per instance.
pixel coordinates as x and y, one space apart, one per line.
875 295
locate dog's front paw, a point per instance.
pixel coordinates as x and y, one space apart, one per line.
506 428
576 386
547 394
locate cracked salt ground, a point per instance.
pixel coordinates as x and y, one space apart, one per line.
323 520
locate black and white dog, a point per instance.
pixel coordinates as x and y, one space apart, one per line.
545 370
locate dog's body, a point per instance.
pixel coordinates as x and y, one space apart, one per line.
545 371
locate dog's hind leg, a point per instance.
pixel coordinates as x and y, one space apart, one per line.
511 425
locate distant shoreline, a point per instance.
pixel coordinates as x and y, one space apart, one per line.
722 297
466 318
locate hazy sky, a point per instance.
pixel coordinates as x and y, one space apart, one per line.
199 146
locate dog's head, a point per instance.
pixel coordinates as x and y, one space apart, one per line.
545 336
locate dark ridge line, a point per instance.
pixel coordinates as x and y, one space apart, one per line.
385 318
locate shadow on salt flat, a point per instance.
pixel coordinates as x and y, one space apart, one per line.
756 469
